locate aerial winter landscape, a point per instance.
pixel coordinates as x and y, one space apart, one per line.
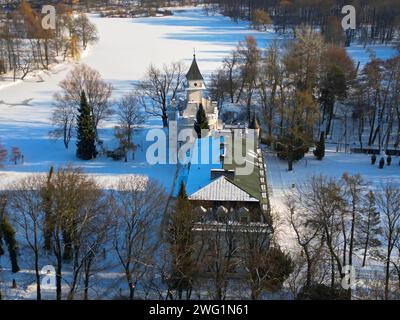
199 150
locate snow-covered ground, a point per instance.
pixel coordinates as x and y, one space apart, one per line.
126 48
334 165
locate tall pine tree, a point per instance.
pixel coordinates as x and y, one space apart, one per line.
369 226
182 245
319 152
86 148
201 121
7 236
46 194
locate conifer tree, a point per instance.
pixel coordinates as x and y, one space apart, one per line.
86 148
369 226
201 121
46 195
319 152
182 245
7 236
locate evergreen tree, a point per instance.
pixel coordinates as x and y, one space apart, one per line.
201 121
291 147
373 159
182 245
46 195
322 292
86 148
319 152
7 236
369 229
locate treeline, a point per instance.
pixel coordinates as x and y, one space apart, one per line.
26 46
177 251
340 224
303 87
377 21
159 251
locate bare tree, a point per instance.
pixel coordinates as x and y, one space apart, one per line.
353 195
64 118
139 205
249 56
180 239
323 199
308 235
217 239
97 92
86 31
90 230
268 82
27 212
266 266
129 114
158 87
70 198
25 46
388 203
231 69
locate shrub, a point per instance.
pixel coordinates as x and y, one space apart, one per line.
300 148
322 292
381 163
373 159
117 154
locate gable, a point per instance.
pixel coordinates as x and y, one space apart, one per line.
222 189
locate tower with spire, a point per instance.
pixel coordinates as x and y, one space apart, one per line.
196 83
195 96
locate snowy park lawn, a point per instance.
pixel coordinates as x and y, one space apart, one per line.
125 50
333 165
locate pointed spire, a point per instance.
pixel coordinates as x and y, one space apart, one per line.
194 71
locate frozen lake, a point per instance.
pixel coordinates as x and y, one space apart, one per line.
125 50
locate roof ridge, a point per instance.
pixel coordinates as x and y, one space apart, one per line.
250 196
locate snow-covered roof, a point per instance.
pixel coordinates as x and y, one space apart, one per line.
222 189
